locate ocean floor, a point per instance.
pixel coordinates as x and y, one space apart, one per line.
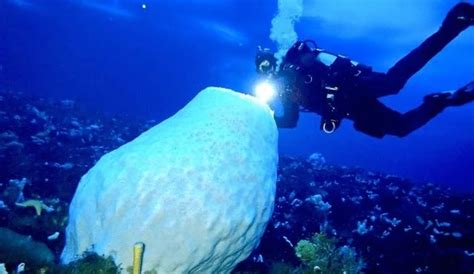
392 224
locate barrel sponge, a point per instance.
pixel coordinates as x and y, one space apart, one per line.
198 189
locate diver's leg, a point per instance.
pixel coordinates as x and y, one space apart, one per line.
432 105
378 120
414 119
375 119
376 84
458 19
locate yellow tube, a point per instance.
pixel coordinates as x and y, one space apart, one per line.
138 250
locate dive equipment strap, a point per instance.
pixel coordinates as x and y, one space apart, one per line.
340 74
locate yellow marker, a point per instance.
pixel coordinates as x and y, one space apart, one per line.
138 249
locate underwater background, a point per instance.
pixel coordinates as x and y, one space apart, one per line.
148 61
102 72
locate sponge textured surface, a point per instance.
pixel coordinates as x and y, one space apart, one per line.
198 189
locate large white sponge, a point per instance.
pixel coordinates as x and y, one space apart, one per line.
198 189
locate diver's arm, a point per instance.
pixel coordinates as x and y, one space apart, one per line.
378 120
290 116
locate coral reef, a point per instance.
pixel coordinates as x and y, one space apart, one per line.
387 219
321 254
89 263
396 225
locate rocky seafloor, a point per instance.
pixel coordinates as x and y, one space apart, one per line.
394 225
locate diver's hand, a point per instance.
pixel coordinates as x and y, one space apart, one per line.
460 16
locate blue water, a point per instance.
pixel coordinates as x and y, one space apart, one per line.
148 61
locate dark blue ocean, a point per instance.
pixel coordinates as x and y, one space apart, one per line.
405 204
120 57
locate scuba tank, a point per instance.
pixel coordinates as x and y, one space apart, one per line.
319 81
327 78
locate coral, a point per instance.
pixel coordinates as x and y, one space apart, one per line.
281 268
305 251
38 205
348 260
14 192
322 255
317 160
317 200
90 263
129 270
138 249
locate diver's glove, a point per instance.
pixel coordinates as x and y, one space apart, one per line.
460 17
446 99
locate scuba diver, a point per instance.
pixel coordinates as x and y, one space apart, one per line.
335 87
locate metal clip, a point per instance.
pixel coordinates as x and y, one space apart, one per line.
331 88
330 130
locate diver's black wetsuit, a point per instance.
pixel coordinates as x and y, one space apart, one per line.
359 93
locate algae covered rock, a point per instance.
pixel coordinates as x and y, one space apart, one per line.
198 189
15 248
